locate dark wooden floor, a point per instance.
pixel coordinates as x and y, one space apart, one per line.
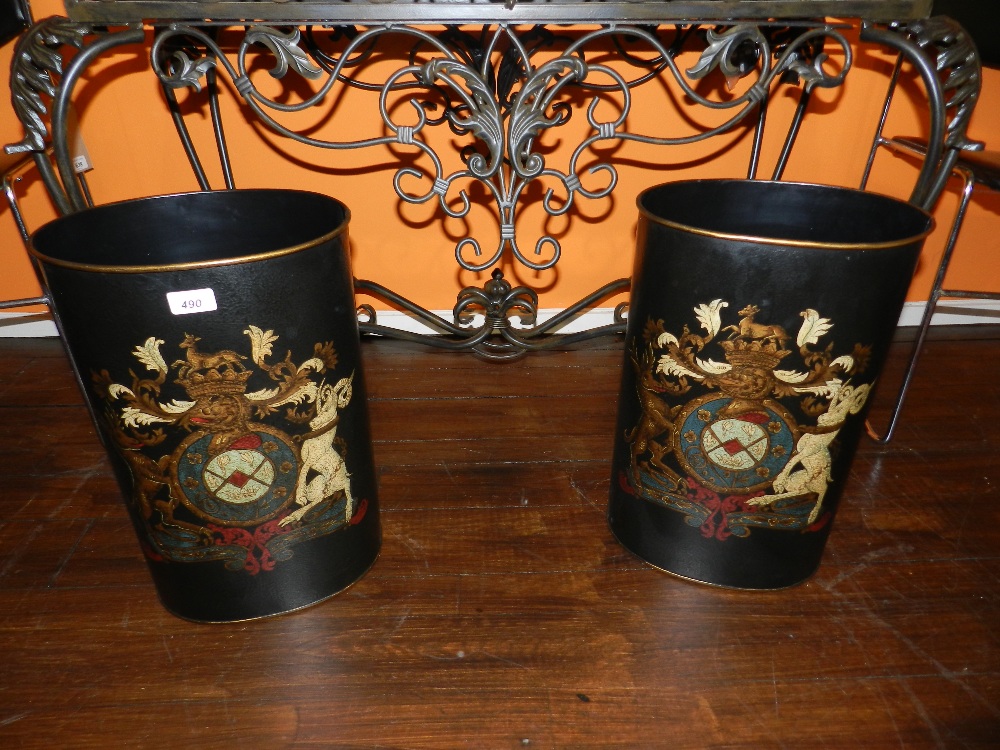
502 613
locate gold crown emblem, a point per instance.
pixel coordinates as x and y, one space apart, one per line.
763 355
215 382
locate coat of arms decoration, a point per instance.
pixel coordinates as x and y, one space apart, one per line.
731 433
221 472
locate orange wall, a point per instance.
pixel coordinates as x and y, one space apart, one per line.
409 247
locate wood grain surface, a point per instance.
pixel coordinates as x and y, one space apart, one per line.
502 613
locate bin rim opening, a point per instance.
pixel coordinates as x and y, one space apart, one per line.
775 185
46 258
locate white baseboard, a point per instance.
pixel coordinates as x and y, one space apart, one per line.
26 325
953 312
600 316
949 312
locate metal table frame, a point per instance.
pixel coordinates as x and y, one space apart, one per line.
498 76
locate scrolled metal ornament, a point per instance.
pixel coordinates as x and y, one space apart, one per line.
508 327
739 50
806 61
958 65
946 60
185 71
734 51
286 50
498 301
479 115
182 56
37 75
533 113
37 57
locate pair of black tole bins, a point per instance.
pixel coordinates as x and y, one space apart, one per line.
974 168
246 464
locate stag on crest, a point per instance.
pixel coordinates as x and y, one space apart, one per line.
749 330
222 361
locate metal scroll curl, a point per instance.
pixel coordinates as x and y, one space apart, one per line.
498 322
945 58
505 102
38 59
959 69
41 84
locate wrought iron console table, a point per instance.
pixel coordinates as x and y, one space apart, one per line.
498 75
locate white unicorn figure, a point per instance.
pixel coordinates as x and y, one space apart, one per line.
320 457
812 452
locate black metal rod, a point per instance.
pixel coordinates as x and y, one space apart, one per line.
963 294
564 339
932 175
758 137
570 312
429 339
53 185
879 139
24 302
488 340
793 133
435 321
925 320
61 104
85 189
8 189
220 133
184 135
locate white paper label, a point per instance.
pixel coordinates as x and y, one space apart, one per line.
81 163
192 301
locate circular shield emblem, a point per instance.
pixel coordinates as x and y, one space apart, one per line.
248 483
734 453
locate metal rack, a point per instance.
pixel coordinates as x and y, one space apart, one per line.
498 75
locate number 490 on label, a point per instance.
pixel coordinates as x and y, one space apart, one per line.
192 301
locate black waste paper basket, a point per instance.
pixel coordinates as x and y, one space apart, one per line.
216 338
760 316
